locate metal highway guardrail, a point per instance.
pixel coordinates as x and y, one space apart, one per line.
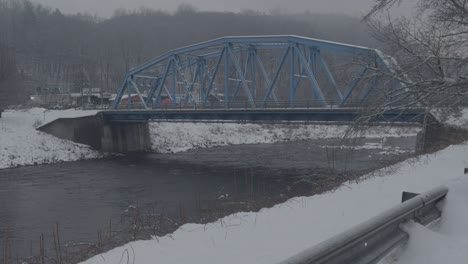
372 240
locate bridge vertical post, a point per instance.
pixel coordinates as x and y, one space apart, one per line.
292 92
226 77
315 86
174 82
252 72
329 75
201 74
129 93
313 60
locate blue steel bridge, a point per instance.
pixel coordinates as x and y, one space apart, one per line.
258 78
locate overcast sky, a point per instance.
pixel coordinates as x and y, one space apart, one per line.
105 8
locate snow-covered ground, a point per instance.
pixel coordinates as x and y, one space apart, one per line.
21 144
275 234
447 241
385 150
458 119
177 137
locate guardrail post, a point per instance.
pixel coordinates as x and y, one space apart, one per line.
405 196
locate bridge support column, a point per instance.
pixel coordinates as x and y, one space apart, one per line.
124 137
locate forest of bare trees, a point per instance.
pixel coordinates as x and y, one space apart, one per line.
42 49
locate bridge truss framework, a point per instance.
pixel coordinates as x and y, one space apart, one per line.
255 72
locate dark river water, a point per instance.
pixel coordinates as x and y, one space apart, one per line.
84 196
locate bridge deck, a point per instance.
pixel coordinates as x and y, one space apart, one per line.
252 115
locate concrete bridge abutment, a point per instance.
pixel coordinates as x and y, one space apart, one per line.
95 131
125 137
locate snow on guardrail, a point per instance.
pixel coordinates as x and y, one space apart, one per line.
372 240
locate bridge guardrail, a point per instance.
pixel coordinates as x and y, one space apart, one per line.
372 240
246 105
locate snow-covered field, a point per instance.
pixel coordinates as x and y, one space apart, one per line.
179 137
275 234
21 144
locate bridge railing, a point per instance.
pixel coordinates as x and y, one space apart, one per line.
304 104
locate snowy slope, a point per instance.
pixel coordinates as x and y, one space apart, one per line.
447 241
177 137
21 144
275 234
458 119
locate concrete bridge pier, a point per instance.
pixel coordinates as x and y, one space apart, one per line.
125 137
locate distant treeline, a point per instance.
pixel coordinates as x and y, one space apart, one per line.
42 48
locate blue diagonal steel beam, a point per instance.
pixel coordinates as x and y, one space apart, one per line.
275 77
142 100
118 98
370 86
329 76
315 86
353 85
129 93
239 84
184 80
152 91
190 88
158 85
235 62
162 82
213 76
266 77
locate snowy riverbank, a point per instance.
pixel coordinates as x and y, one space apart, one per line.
21 144
169 137
457 119
275 234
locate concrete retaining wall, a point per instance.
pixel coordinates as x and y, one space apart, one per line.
121 137
84 130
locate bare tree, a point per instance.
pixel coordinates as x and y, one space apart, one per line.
431 49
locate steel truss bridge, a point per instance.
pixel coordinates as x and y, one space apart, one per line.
295 76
